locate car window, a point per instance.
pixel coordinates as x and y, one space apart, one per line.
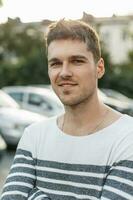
37 100
7 101
18 96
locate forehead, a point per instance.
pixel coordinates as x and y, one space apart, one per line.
67 48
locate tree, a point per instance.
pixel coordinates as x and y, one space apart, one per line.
22 54
122 77
106 81
1 3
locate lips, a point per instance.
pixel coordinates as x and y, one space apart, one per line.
67 84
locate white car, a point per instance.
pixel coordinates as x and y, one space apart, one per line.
117 95
13 120
124 107
2 147
40 100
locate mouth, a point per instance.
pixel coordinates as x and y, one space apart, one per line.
66 84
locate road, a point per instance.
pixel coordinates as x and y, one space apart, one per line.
5 165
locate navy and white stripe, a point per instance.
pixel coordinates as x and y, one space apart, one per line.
55 180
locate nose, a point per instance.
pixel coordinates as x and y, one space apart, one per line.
66 71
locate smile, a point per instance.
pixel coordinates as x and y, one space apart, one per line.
67 84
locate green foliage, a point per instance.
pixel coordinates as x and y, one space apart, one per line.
1 3
130 56
123 78
106 80
118 77
22 55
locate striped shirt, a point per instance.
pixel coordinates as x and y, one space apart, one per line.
50 164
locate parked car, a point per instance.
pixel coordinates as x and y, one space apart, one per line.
39 100
13 120
117 95
2 147
123 107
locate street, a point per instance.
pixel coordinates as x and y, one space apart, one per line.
5 165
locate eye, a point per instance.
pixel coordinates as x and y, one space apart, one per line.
77 61
55 64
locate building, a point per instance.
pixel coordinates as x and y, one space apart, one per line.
117 34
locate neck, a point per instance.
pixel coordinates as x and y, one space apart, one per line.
82 118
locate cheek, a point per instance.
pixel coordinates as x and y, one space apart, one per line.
89 74
50 76
53 74
89 78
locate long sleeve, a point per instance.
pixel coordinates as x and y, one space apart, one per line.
21 178
119 180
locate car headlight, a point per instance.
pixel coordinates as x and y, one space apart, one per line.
15 129
2 143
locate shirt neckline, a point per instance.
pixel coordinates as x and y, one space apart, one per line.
104 130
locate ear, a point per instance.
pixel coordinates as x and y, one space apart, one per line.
100 68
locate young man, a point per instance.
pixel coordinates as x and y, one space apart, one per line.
86 153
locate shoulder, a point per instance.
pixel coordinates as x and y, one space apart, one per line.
123 126
128 119
37 132
40 130
125 129
42 125
123 148
126 124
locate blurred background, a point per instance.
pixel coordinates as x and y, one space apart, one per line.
26 95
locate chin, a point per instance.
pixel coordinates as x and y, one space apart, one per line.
71 102
67 102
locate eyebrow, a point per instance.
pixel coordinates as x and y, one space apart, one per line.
53 60
71 57
78 57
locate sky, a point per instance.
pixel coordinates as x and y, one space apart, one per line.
37 10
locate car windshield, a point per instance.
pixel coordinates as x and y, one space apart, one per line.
7 101
116 95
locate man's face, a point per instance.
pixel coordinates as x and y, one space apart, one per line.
72 71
